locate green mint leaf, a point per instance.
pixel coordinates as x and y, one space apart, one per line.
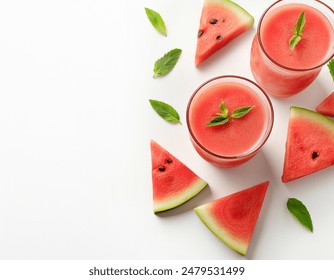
299 210
165 111
166 63
294 41
156 20
218 120
300 24
297 31
240 112
224 109
331 67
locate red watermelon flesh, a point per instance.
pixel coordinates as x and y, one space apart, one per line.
326 107
233 218
221 22
309 144
173 182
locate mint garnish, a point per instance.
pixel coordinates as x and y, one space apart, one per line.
222 118
166 63
165 111
297 31
331 67
299 210
156 20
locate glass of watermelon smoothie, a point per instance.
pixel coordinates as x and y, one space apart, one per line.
238 138
283 72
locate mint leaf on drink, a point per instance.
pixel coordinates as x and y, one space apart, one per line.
300 24
165 111
299 210
222 117
218 120
166 63
240 112
297 31
294 41
224 109
331 67
156 20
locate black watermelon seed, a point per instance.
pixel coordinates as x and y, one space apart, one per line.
315 155
169 161
213 21
200 33
162 168
219 37
223 20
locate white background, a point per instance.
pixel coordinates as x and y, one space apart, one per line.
75 124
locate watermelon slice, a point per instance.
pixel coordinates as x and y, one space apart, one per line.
233 218
221 22
173 182
309 144
326 107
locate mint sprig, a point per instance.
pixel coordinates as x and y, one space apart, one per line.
331 67
297 31
166 63
165 111
299 210
156 20
222 117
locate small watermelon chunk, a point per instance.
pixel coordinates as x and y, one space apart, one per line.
309 145
233 218
173 182
326 107
221 21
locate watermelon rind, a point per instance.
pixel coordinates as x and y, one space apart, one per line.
301 165
244 16
312 115
172 202
254 196
203 212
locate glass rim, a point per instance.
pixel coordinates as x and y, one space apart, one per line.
281 65
261 141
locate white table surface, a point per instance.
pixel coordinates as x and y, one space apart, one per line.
75 122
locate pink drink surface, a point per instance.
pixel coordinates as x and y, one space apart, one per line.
317 37
236 137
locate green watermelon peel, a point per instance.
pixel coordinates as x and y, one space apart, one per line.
170 203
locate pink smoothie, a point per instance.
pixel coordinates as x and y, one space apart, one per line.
279 70
238 136
317 37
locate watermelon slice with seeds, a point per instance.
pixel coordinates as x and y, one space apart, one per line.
326 107
221 21
309 145
233 218
173 182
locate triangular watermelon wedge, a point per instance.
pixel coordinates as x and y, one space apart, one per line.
326 107
309 145
173 182
233 218
221 21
